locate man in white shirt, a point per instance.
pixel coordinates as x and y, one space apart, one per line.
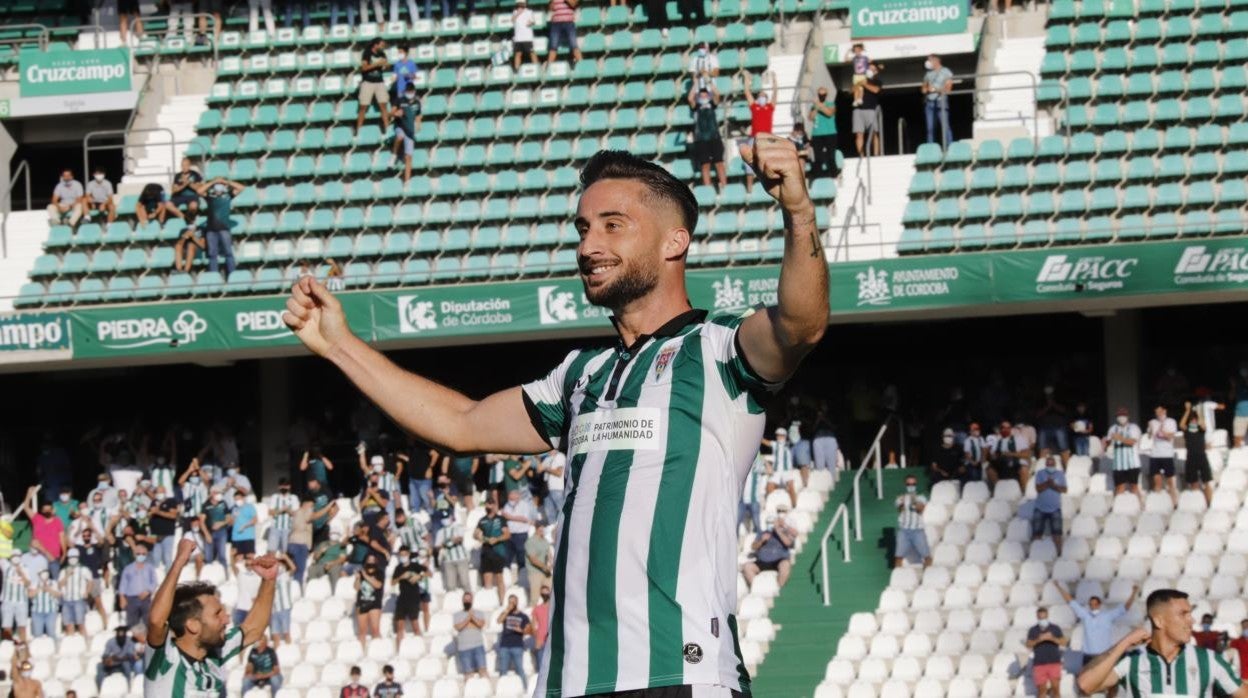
522 21
1162 430
552 467
704 66
975 454
1011 457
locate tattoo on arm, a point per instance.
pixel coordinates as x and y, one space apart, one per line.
816 243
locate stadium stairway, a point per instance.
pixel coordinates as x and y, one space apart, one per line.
796 659
27 231
883 211
152 160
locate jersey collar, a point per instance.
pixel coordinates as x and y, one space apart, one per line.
671 328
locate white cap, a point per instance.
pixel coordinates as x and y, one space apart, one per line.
73 552
377 460
781 431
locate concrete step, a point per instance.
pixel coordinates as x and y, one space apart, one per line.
26 231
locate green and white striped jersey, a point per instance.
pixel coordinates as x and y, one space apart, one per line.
279 501
451 551
659 437
282 600
16 590
45 599
1195 672
75 581
169 672
412 534
1125 457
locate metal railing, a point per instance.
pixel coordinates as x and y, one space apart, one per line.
1034 87
125 145
22 172
153 36
96 30
842 515
43 37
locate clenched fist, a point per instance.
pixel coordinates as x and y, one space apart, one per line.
779 169
315 316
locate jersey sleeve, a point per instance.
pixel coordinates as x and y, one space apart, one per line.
1123 668
546 401
723 333
233 644
156 659
1222 675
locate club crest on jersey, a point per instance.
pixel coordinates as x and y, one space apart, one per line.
662 362
693 652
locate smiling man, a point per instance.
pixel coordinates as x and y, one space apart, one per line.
659 430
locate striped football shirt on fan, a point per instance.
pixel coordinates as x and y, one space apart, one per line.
751 492
194 497
170 672
75 583
782 457
45 600
279 501
451 552
1195 672
1125 457
659 437
15 590
282 600
412 534
907 518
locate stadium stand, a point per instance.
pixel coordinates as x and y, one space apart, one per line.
495 163
1150 101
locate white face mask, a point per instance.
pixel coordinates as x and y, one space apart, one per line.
1043 623
911 489
762 100
947 440
927 65
64 498
1122 420
99 178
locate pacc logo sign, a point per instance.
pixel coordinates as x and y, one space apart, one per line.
1198 265
1061 273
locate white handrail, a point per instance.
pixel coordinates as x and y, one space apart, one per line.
879 478
842 513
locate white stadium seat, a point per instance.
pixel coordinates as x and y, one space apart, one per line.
980 553
895 623
895 688
825 690
840 671
908 668
874 670
860 624
861 689
848 647
961 620
939 668
917 645
884 647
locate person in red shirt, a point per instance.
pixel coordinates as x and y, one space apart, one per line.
541 624
355 689
1240 645
1206 636
762 114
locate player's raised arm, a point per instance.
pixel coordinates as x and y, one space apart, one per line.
257 619
162 602
434 413
774 341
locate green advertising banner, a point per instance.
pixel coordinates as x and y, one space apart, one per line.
52 73
883 18
532 307
34 332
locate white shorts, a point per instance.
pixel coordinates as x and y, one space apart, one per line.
14 615
1239 426
782 478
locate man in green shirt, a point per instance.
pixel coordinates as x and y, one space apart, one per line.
327 561
323 509
823 136
537 552
220 193
407 123
708 147
518 471
493 534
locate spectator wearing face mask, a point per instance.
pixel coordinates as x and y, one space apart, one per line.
772 550
1205 636
783 474
299 546
216 521
412 579
1123 446
974 454
1081 426
283 600
1011 457
1097 621
823 137
219 195
373 64
452 555
866 113
369 588
92 556
1046 641
469 642
911 537
704 67
138 583
372 501
65 505
706 145
1162 429
541 622
947 464
323 509
405 70
121 655
242 527
282 507
44 603
67 200
163 517
355 689
14 598
762 113
74 586
99 197
493 534
262 669
936 86
1196 470
1240 645
1047 515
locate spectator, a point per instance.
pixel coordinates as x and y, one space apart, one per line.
515 626
866 113
1196 470
293 6
48 536
213 8
93 557
656 15
334 280
1082 428
369 589
692 12
180 14
373 501
248 587
420 482
947 465
1240 645
317 467
242 527
1050 486
762 114
328 559
823 138
129 16
860 62
520 515
707 146
153 205
220 194
412 579
522 36
407 121
911 538
493 534
137 584
323 509
936 86
65 506
255 8
263 669
1208 409
541 622
282 507
355 689
782 474
411 532
752 494
469 642
704 67
283 600
1097 621
163 520
99 197
373 65
122 654
562 27
299 546
1205 636
413 14
462 470
1051 420
67 197
537 552
184 192
804 151
388 687
1123 445
44 604
405 71
825 447
1046 641
75 584
1162 430
14 598
772 551
1011 457
216 520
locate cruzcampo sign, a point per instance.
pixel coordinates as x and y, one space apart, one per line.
883 18
70 72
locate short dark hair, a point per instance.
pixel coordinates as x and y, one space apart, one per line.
187 604
354 670
283 481
619 164
1161 596
387 669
